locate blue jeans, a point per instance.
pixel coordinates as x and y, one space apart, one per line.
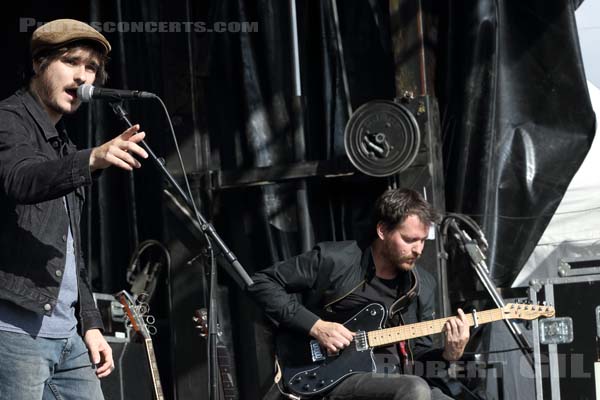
46 369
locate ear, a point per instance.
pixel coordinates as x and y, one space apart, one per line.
381 230
36 67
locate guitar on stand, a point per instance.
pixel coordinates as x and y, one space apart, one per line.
228 388
136 311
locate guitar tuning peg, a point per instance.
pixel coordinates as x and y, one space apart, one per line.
544 303
151 330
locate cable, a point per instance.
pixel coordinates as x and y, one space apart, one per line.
133 263
469 222
185 178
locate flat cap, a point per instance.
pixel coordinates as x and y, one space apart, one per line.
62 31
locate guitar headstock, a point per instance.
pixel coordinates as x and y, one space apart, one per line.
136 310
527 311
200 319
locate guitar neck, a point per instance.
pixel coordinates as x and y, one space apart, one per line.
384 337
228 386
158 392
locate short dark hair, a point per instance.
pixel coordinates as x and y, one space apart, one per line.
395 205
45 57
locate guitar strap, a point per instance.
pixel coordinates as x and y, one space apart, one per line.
395 315
277 379
404 301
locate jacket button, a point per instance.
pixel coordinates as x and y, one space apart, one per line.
47 307
64 238
58 273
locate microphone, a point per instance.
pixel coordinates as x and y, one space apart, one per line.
87 93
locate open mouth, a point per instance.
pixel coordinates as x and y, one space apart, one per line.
72 92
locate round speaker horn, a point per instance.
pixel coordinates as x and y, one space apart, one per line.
382 138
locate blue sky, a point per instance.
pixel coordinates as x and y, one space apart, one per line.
588 26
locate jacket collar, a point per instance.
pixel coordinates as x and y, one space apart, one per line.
38 113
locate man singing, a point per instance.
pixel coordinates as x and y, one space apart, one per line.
51 343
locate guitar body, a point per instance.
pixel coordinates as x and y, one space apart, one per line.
305 377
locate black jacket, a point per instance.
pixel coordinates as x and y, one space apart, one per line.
34 178
297 292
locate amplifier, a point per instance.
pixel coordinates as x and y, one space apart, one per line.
131 378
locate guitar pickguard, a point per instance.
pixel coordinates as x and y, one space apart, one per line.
304 377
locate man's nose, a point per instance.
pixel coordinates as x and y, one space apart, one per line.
418 248
79 75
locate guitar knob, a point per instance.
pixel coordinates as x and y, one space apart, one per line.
298 379
306 387
321 383
313 375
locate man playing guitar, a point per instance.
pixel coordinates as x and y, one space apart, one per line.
315 292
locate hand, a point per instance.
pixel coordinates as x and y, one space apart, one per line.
331 335
119 151
100 352
457 336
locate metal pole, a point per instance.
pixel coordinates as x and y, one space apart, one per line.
304 224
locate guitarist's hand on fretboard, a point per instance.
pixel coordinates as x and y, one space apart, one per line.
331 335
456 331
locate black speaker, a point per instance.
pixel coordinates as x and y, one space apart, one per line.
131 379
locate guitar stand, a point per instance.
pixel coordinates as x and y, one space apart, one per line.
473 250
240 276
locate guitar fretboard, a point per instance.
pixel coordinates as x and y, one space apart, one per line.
383 337
158 392
228 386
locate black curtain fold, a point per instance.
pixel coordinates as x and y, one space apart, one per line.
517 119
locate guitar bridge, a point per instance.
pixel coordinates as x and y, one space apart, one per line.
360 341
316 353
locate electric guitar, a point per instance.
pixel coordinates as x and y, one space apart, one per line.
135 314
314 372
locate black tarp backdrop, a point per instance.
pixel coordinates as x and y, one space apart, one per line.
517 123
517 119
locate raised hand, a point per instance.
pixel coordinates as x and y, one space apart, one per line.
119 151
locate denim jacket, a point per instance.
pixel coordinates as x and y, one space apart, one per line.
38 168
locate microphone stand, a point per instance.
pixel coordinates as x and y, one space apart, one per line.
241 277
477 259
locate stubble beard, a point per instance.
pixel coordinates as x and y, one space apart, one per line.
50 96
400 262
